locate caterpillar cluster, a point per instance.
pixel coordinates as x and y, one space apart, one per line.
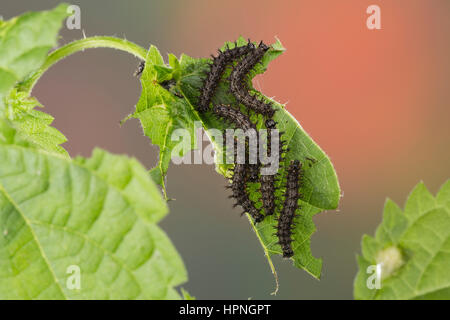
243 59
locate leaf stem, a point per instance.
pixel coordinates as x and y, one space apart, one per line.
80 45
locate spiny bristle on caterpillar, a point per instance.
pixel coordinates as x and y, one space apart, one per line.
253 172
263 45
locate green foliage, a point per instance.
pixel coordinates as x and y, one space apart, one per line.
33 125
130 177
96 213
161 111
412 248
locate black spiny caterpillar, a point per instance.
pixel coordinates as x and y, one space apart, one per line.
239 88
287 215
267 182
241 171
216 70
241 121
240 193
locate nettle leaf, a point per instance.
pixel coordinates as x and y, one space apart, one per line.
92 215
8 135
33 125
131 177
24 44
161 113
320 190
412 249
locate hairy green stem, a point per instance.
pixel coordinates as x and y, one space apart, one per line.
80 45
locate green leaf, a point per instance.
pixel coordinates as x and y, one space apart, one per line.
131 177
9 135
161 113
159 109
33 125
411 247
24 44
94 214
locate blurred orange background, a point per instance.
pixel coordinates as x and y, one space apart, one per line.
377 101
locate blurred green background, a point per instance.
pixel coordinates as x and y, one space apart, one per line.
377 101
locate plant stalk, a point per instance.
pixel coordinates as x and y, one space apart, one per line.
81 45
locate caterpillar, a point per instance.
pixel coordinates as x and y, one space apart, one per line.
216 70
241 171
235 116
239 88
267 182
287 215
267 190
253 172
242 121
241 195
139 69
